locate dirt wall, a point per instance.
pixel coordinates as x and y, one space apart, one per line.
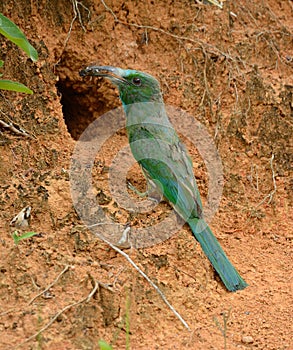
231 69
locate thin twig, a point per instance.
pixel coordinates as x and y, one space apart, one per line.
110 10
254 174
15 128
14 310
105 286
75 9
178 37
67 267
92 293
206 85
271 194
157 289
273 178
54 318
213 2
76 15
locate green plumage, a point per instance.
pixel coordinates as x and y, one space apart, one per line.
164 159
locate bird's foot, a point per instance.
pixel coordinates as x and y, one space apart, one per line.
136 191
153 195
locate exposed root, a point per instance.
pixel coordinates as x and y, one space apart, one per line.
55 317
67 267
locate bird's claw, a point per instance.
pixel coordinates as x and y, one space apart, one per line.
136 191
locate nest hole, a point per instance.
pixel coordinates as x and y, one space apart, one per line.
81 104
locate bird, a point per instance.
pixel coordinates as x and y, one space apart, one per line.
164 159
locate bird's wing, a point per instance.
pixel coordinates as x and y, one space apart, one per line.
171 166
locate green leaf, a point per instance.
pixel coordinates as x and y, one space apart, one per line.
18 238
14 86
104 345
13 33
1 63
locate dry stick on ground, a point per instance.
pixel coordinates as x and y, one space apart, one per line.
254 176
157 289
15 128
54 318
67 267
206 85
10 311
271 194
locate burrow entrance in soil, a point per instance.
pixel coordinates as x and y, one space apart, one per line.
80 100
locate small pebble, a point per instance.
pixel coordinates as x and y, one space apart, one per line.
247 339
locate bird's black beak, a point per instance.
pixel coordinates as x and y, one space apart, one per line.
113 73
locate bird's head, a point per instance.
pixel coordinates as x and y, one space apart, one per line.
134 86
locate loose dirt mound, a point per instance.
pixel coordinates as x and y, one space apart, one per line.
232 70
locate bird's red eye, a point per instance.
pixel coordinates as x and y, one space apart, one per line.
136 81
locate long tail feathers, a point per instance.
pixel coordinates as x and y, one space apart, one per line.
212 249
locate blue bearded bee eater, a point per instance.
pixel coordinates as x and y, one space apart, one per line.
170 171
